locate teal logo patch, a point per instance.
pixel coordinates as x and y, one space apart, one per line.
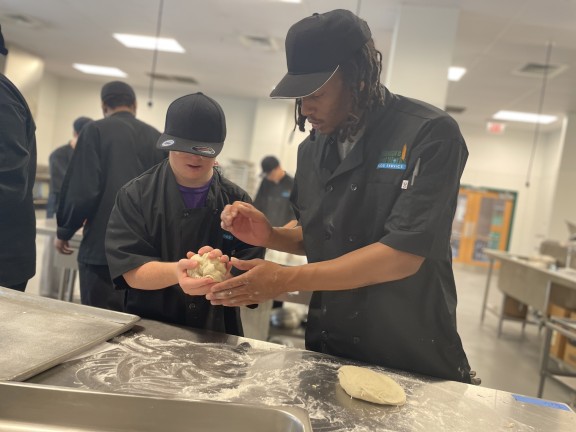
392 159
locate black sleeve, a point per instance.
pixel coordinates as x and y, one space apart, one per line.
129 245
421 219
82 186
15 154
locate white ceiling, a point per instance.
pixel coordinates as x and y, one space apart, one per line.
495 37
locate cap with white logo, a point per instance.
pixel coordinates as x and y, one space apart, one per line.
195 124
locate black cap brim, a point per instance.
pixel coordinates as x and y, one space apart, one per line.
300 85
173 143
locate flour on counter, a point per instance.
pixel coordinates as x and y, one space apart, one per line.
244 374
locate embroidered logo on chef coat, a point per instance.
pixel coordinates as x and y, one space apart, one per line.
393 159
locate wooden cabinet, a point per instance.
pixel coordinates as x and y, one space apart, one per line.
483 219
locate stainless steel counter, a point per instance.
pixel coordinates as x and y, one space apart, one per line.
160 360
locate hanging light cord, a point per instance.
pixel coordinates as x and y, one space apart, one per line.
155 54
540 107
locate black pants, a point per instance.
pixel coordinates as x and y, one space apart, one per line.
19 286
97 289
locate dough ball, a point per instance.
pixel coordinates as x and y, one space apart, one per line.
365 384
207 267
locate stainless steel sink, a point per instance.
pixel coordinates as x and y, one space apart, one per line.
32 407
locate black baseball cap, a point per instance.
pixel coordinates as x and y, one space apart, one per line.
3 49
268 164
195 124
116 89
315 47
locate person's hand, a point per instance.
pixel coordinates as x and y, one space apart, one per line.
246 223
263 280
198 286
63 247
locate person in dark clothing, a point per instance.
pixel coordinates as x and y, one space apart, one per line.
375 193
273 196
273 199
58 164
17 176
109 153
171 210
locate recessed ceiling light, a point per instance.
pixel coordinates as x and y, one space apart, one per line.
149 43
100 70
525 117
290 1
455 73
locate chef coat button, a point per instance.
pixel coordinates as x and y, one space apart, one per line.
356 340
192 306
329 188
324 335
353 186
352 238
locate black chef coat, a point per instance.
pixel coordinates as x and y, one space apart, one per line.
376 194
150 222
108 154
273 199
17 176
58 162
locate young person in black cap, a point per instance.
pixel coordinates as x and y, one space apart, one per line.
108 154
375 194
169 213
17 175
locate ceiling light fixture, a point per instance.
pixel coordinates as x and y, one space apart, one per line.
149 42
100 70
525 117
455 73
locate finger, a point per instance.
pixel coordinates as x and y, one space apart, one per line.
235 282
205 249
245 264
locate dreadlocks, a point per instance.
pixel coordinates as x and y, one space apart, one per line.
364 67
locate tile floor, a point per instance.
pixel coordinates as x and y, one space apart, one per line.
509 363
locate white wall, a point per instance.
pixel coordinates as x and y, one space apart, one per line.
502 162
63 100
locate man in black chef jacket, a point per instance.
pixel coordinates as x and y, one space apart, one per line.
375 194
108 154
172 211
58 164
17 176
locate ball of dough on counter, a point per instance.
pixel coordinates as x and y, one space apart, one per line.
366 384
208 267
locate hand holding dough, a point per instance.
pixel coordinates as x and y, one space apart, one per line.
371 386
208 267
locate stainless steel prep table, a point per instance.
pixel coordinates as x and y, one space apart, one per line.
532 285
157 359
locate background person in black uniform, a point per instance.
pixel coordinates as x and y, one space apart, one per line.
375 194
17 176
171 210
273 199
109 153
273 196
58 163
